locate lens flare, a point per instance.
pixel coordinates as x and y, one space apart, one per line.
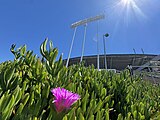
131 10
126 2
132 6
126 11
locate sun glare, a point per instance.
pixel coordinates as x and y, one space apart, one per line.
132 6
125 13
126 2
128 10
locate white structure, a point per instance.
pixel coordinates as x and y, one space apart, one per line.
85 22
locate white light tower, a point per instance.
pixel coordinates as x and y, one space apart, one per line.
84 22
84 39
91 19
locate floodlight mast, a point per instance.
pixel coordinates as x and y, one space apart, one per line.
84 22
84 39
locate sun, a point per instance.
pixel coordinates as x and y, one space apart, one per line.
131 8
127 12
129 3
126 2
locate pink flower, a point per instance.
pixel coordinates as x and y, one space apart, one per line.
63 98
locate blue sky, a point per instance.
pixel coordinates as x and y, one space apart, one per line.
130 23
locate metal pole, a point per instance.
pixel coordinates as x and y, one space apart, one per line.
84 39
97 47
143 56
75 29
105 60
134 59
142 51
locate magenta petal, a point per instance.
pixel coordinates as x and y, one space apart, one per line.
63 98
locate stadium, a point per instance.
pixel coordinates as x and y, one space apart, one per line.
116 61
143 63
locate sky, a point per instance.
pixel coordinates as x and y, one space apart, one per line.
131 24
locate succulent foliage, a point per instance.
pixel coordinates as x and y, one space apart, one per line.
26 83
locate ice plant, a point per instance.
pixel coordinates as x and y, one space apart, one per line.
63 99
